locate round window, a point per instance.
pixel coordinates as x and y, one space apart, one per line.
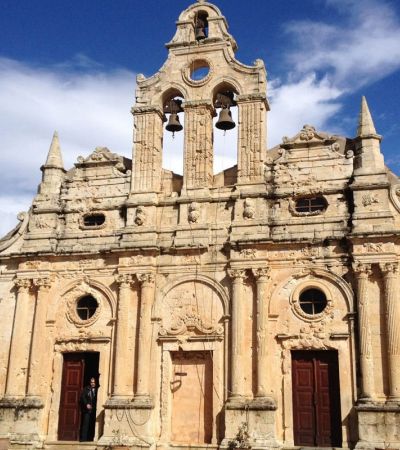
199 70
86 307
312 301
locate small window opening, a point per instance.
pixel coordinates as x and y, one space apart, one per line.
94 220
201 26
199 69
86 307
311 204
312 301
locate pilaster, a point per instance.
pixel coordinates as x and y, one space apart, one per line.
198 158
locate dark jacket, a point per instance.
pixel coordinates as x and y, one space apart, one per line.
87 398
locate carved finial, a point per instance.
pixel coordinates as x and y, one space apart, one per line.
54 158
366 125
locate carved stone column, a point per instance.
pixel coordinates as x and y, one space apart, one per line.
252 139
123 380
147 158
390 271
147 281
362 272
198 158
37 374
262 277
19 351
237 332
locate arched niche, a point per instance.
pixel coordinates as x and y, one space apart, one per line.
191 305
225 142
320 278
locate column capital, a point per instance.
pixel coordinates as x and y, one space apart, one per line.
42 284
124 279
146 278
237 274
23 284
362 270
262 273
389 268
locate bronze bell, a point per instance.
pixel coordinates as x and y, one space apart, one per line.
173 124
200 34
225 121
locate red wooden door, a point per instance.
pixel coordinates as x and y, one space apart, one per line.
316 399
71 387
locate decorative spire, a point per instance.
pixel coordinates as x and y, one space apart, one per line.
54 157
366 125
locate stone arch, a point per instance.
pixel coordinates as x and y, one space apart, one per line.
225 83
173 90
317 275
210 9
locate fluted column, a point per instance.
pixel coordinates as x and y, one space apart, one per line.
37 375
237 331
262 279
362 272
19 352
390 271
147 281
123 384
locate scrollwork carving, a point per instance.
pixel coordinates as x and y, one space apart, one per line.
23 284
146 278
262 273
362 270
237 274
42 284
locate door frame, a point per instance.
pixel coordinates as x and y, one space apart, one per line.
100 345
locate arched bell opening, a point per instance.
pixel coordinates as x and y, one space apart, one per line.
201 25
225 132
173 141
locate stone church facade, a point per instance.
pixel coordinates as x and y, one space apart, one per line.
254 308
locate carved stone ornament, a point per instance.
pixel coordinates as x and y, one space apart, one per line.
147 278
390 268
362 270
194 212
43 284
395 196
248 253
369 199
191 309
308 135
140 217
73 296
262 273
237 274
124 280
249 211
23 284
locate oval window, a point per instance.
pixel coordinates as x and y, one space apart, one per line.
86 307
94 220
311 205
313 301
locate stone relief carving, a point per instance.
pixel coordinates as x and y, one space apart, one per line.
249 211
248 253
194 212
140 217
369 199
191 308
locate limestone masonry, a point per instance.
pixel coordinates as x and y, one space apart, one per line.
254 308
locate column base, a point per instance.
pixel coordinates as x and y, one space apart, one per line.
378 425
250 423
20 420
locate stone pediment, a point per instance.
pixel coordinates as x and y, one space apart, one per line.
308 137
102 156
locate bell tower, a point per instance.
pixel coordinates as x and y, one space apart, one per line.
202 78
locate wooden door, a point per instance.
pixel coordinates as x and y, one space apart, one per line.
192 396
316 399
71 387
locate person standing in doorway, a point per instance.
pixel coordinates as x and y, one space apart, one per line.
88 404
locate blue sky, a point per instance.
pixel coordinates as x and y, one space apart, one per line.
70 65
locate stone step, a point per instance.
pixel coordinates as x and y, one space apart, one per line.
70 445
